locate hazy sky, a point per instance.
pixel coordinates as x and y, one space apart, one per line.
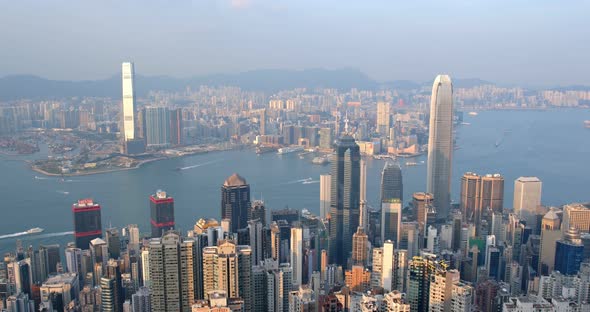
529 42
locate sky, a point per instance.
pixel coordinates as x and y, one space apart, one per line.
526 42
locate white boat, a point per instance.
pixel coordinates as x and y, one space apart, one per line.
411 163
287 150
35 230
472 113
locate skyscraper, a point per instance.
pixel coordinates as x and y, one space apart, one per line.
325 194
162 213
481 196
171 265
391 221
157 126
228 267
569 252
391 182
235 201
383 117
550 234
527 199
128 109
176 126
345 199
440 145
360 247
87 222
297 254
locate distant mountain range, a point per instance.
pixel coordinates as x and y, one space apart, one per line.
29 86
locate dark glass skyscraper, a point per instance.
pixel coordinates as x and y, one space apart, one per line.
235 201
162 213
391 183
569 253
87 222
345 198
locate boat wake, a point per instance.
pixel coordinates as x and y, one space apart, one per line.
13 235
64 192
303 181
200 165
311 182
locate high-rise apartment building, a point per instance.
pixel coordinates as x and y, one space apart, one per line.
481 196
391 182
228 267
421 271
87 222
157 126
383 117
345 199
162 213
448 293
440 145
325 195
171 269
176 126
527 199
391 220
422 204
360 247
235 201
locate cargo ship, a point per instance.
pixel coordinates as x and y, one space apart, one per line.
291 149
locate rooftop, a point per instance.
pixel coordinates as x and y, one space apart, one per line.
235 180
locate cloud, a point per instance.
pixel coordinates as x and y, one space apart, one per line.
240 4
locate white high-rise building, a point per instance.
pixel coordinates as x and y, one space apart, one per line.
297 255
387 273
376 272
527 199
128 108
448 293
440 145
325 186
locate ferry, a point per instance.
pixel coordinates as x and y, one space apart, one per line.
411 163
320 160
472 113
264 149
287 150
35 230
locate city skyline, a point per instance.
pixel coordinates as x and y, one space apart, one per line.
347 187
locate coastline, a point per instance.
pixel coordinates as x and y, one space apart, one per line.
137 166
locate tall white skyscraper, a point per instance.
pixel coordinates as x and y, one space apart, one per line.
297 255
387 268
325 186
440 145
527 199
128 108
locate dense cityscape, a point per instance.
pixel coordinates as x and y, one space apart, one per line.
424 253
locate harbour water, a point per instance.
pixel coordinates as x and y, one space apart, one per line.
553 145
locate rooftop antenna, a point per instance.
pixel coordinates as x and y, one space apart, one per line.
346 123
